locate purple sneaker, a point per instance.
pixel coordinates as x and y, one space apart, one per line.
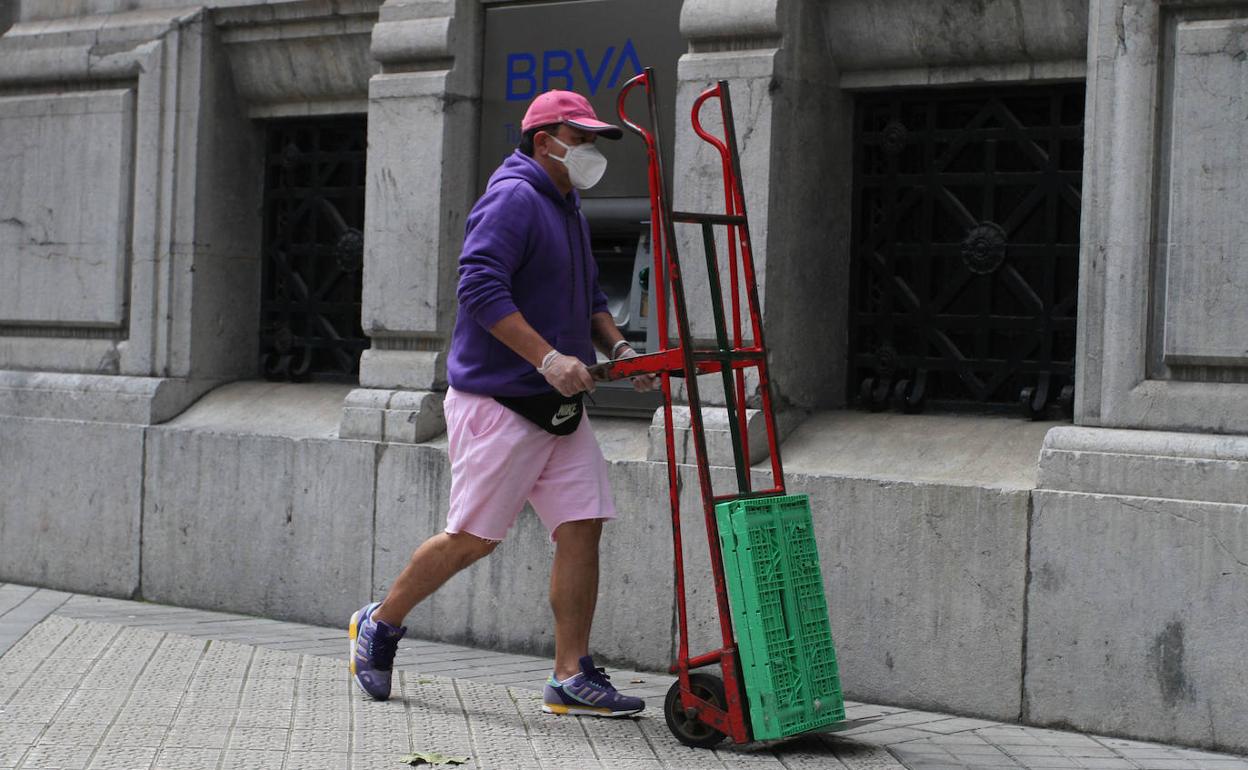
373 644
589 693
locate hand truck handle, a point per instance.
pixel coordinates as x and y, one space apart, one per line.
643 77
696 117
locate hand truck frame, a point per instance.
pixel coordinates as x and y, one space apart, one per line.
701 709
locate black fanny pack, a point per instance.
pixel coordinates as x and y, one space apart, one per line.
551 412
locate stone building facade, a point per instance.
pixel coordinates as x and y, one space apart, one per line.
956 205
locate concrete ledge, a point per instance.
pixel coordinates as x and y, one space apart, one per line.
70 507
255 408
95 397
1138 612
959 450
1142 463
718 436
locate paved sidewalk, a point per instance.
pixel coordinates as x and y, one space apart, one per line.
99 683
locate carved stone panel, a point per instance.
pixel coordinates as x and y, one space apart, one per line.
1206 251
65 207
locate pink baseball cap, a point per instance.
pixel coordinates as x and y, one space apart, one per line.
567 107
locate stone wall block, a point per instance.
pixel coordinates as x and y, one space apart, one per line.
258 524
70 508
415 417
363 414
397 416
1137 609
925 587
397 369
924 584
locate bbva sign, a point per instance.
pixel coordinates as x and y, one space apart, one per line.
569 70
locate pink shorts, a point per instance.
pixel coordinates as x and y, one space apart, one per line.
499 460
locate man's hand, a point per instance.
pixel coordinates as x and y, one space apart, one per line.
566 374
642 382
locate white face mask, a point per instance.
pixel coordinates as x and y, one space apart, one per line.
585 163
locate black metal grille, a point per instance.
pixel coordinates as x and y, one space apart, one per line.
313 249
966 247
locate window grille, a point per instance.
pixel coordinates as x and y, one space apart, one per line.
965 253
313 249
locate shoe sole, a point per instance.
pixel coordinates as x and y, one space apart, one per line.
353 633
586 711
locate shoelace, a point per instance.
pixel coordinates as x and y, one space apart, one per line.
599 677
382 651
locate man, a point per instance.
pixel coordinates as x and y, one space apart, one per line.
530 315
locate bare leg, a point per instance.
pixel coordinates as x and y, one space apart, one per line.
437 560
574 591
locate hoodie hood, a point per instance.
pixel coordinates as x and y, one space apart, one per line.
521 166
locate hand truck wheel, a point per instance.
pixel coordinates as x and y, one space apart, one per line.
688 729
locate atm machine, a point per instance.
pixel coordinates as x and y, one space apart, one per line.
620 238
592 47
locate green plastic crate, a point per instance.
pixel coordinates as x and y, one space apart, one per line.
775 590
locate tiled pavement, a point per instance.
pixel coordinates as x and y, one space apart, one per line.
99 683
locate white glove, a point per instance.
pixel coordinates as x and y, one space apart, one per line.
642 382
566 374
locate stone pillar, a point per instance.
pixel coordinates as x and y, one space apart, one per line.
130 251
793 129
1163 307
1139 566
423 119
793 126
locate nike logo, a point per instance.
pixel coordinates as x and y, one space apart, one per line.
561 417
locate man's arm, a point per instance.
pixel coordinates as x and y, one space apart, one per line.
516 333
566 374
605 333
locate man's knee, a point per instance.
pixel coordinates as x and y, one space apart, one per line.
470 548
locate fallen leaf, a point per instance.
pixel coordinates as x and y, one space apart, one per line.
431 758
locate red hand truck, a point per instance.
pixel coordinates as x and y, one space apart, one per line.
702 709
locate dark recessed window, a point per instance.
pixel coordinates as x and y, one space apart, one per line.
966 248
313 249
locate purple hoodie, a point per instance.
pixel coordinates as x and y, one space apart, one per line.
526 248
